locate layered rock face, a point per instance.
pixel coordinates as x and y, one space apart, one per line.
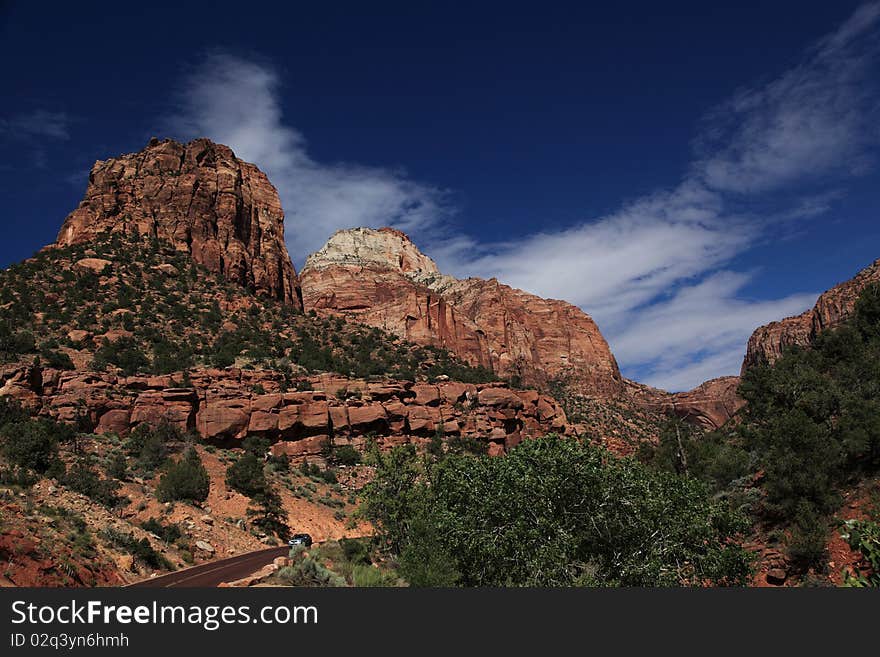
222 406
710 405
203 200
380 278
833 307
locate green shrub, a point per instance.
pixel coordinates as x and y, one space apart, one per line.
168 533
83 478
367 576
118 466
139 549
17 476
57 359
247 476
32 444
552 513
346 455
169 357
185 480
124 353
11 412
356 550
308 571
863 536
807 540
14 342
280 463
256 445
150 444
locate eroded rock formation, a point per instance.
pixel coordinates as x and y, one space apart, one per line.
832 308
380 278
710 405
227 405
203 200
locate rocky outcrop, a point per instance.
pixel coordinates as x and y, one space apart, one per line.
200 198
380 278
224 406
710 405
833 307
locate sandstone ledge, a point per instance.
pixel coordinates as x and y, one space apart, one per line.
224 406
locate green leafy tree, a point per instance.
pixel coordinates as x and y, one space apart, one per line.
553 513
149 445
390 498
812 421
863 536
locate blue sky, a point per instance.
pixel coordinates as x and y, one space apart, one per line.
684 172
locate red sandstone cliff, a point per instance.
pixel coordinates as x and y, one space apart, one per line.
222 405
833 307
380 278
202 199
710 405
228 216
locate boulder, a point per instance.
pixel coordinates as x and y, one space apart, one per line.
423 420
367 418
262 422
114 421
426 395
500 398
223 419
457 393
151 408
78 335
93 265
304 419
776 576
298 449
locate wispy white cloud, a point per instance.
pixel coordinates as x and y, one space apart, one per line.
40 123
816 118
863 20
681 341
236 102
655 274
620 262
31 131
652 276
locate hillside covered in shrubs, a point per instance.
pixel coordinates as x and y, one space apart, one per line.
144 307
810 432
